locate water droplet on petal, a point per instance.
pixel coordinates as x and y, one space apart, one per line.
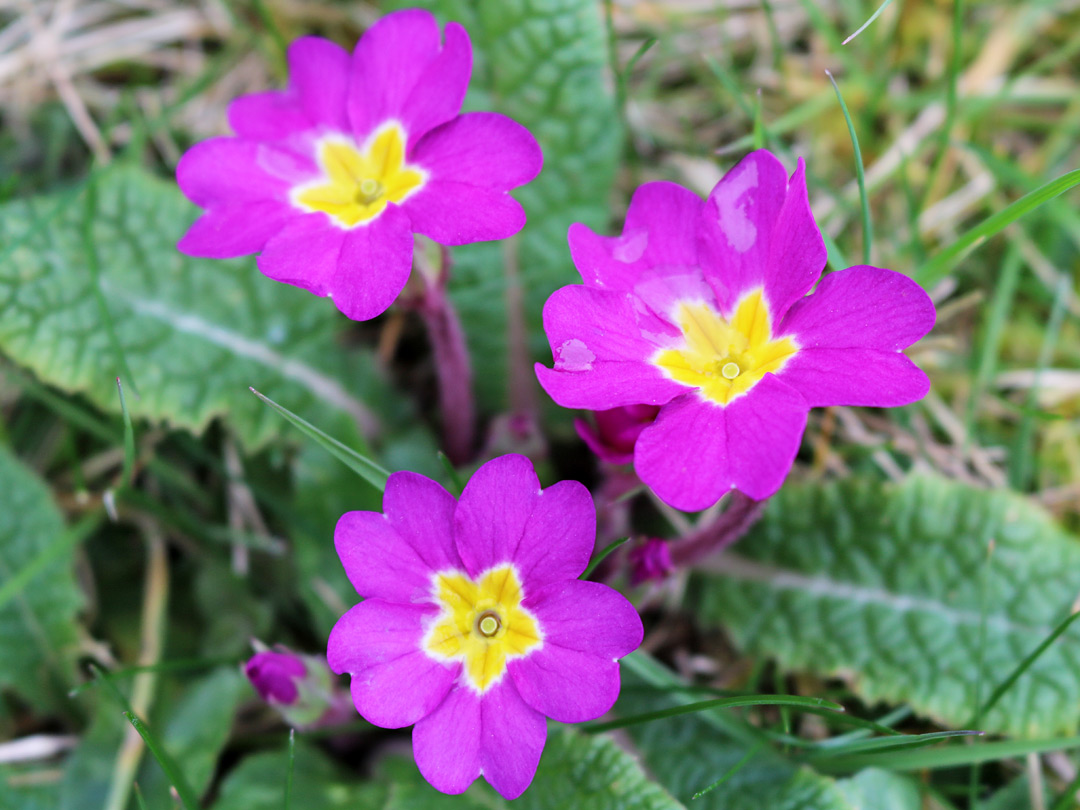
573 355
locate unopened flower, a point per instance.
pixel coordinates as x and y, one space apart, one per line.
330 179
702 309
474 625
616 431
300 687
650 560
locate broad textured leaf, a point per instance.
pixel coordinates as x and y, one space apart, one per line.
38 633
875 789
892 587
584 773
544 63
687 753
76 268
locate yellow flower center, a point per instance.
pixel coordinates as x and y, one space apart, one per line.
725 359
358 183
482 624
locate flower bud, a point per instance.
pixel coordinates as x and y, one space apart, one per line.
650 560
300 687
616 431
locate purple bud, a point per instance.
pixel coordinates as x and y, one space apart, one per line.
274 676
616 431
650 560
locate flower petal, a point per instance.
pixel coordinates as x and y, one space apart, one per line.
660 231
862 306
319 76
304 253
387 63
394 554
454 213
497 734
268 116
504 516
696 451
865 377
394 683
229 171
513 737
374 266
601 352
574 676
224 232
440 90
446 743
756 230
480 149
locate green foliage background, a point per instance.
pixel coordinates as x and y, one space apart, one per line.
919 570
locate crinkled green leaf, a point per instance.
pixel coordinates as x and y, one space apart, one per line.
576 771
891 586
687 753
543 63
195 333
38 632
876 789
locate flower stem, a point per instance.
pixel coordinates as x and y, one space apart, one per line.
452 365
741 513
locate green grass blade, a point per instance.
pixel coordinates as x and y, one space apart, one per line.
1021 459
138 796
1067 799
367 469
129 438
599 558
951 756
70 538
716 703
942 264
90 249
451 471
860 174
903 741
289 773
1022 667
868 23
734 769
187 795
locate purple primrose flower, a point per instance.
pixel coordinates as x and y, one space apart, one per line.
474 625
701 308
329 179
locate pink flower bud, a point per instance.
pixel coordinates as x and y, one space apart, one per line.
616 431
650 560
274 676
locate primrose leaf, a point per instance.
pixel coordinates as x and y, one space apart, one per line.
929 593
92 288
38 631
544 64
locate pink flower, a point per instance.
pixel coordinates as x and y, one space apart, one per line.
616 431
474 624
329 180
702 309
